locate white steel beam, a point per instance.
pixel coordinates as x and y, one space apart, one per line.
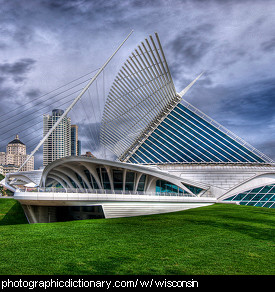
140 93
126 155
74 102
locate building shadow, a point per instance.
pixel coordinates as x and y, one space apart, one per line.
15 215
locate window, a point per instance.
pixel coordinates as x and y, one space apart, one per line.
194 190
105 179
118 179
130 180
163 186
259 197
141 183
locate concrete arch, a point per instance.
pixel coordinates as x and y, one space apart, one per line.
81 173
64 177
252 183
59 180
70 174
22 178
92 170
110 175
150 182
73 165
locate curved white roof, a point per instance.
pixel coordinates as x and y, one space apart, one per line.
72 168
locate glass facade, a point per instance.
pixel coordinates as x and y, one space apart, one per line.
183 136
258 197
91 179
123 180
118 179
141 183
163 186
104 178
194 190
130 181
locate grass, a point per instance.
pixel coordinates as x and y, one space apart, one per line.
11 212
218 239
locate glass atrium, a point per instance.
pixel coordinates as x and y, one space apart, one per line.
184 136
258 197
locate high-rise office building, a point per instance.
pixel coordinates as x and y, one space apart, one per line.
78 147
75 143
58 144
15 156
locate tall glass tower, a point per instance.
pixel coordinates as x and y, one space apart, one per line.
58 144
75 143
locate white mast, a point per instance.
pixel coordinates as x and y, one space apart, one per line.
182 93
73 103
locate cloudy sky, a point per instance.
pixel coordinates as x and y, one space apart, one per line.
48 49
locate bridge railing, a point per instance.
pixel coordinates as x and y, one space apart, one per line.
100 191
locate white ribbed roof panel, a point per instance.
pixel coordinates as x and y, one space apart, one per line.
141 91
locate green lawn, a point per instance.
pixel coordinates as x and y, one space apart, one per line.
218 239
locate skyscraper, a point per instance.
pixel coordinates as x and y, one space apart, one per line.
58 144
75 143
78 147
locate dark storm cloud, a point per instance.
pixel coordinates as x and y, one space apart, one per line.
33 93
18 69
268 147
253 103
2 79
82 12
6 93
46 43
12 75
269 45
191 45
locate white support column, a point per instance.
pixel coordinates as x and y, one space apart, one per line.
58 180
110 175
124 178
63 177
137 177
92 170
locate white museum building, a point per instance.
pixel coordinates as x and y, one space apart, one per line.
170 156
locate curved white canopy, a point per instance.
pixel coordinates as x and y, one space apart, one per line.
142 90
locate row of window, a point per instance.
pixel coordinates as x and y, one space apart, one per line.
228 141
163 186
183 136
259 197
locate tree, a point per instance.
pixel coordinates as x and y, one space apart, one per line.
3 190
